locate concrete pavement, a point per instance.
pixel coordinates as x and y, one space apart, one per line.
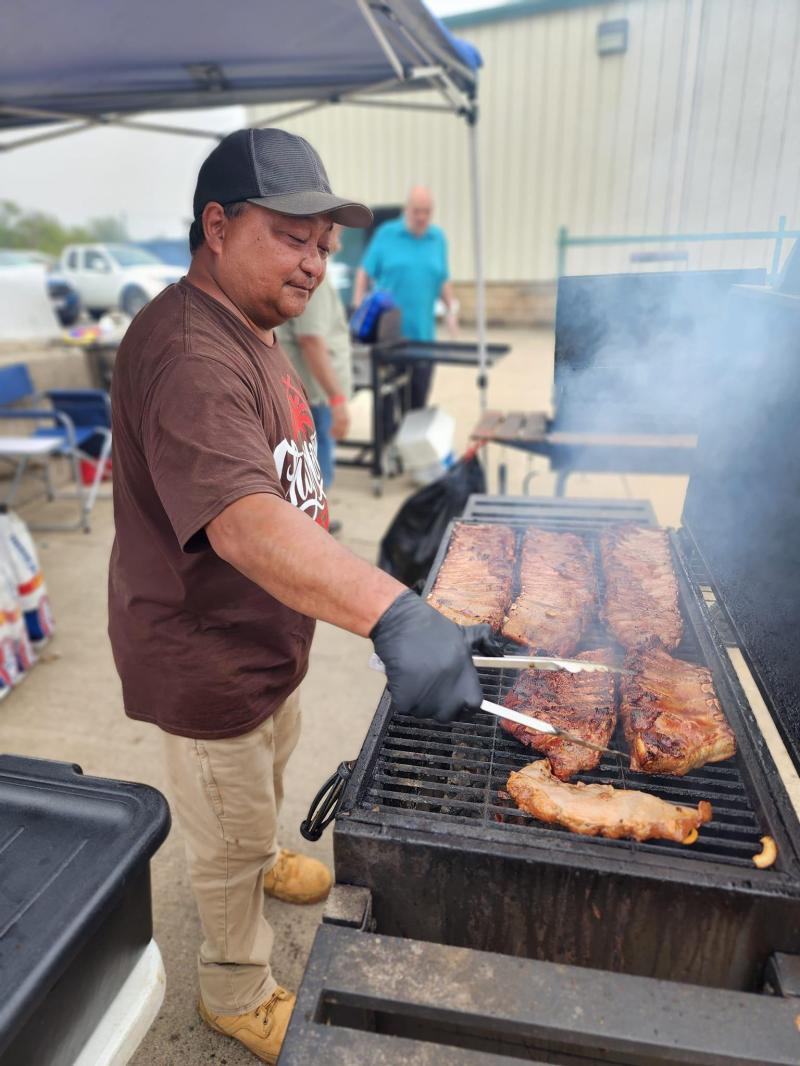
70 706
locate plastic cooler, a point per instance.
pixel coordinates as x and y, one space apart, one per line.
425 443
81 977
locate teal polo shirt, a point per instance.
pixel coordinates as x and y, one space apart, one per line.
413 269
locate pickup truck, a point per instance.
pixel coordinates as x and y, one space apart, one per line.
115 275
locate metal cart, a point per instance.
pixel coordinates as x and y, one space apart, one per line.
384 368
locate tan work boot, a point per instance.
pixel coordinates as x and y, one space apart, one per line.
297 879
261 1030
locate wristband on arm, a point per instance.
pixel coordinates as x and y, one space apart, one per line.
337 401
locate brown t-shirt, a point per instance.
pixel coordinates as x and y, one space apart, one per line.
203 413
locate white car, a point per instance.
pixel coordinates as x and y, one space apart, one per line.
115 275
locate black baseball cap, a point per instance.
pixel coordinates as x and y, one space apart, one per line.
275 169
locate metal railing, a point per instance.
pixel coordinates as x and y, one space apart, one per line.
565 241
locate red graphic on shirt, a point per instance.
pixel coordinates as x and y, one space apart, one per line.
296 459
302 422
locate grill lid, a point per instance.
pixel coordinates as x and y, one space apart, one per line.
742 506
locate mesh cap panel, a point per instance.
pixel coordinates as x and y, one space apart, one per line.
286 163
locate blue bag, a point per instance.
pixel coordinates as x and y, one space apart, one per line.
365 318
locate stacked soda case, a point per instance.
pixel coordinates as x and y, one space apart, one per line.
26 620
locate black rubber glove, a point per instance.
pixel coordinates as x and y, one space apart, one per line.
483 640
428 659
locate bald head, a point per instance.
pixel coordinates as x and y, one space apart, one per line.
419 209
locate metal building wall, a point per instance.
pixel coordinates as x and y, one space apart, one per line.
692 129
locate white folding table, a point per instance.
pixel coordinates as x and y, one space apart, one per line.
20 450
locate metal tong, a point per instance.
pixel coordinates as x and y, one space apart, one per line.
544 727
544 662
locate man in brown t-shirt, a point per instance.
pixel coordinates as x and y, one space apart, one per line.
217 573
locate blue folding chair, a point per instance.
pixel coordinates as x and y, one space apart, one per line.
79 429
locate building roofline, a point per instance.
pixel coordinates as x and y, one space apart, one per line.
520 9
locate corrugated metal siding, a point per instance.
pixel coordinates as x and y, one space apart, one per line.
692 129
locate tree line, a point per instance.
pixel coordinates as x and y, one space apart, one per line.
36 229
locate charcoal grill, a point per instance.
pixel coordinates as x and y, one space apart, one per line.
500 939
602 951
426 809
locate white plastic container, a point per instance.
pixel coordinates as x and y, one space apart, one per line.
16 653
127 1020
8 657
30 583
424 475
425 438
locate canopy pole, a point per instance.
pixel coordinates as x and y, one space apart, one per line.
381 38
338 98
303 109
442 109
477 242
49 135
102 121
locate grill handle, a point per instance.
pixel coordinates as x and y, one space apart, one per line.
325 805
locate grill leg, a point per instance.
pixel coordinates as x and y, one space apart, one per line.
351 906
377 426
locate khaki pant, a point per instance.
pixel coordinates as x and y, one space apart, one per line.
226 795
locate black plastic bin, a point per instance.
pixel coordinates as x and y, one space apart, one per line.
75 912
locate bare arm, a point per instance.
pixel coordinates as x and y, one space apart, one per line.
315 352
296 561
360 287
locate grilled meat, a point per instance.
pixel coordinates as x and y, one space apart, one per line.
475 580
558 590
582 704
601 810
641 594
671 715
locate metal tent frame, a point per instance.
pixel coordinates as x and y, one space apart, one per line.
420 54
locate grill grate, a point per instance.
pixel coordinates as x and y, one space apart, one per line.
457 773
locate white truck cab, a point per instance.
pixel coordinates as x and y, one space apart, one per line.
115 275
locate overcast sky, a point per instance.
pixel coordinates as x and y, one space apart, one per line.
111 171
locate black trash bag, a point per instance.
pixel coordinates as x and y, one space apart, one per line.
410 543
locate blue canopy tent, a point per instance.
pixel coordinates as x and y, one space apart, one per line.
65 68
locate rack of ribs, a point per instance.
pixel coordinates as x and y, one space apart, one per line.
602 810
558 593
641 590
583 704
672 718
475 580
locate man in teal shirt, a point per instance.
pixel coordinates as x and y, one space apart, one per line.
407 257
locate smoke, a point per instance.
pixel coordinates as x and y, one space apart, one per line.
636 353
715 354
